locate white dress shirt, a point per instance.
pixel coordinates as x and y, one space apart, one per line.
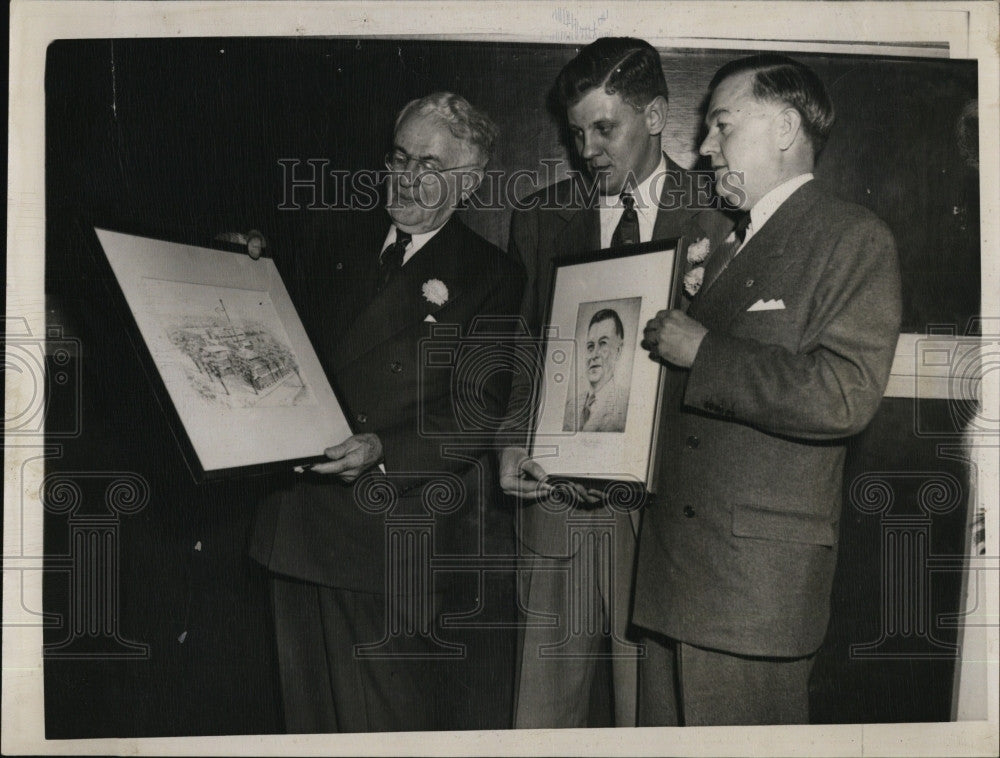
646 206
767 205
418 241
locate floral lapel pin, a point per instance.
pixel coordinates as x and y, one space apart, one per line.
697 253
435 291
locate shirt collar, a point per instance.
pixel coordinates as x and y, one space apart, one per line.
645 203
604 391
767 205
417 241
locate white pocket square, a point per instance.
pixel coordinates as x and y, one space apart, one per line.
429 318
767 305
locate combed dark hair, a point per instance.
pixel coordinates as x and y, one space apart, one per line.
464 120
607 314
627 66
779 78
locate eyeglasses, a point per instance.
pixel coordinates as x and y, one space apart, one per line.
399 160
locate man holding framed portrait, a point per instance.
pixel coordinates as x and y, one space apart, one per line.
786 351
614 97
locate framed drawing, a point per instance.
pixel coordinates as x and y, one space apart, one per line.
599 403
246 390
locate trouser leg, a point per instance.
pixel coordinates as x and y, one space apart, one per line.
718 688
618 601
331 684
554 690
658 683
383 681
681 684
306 695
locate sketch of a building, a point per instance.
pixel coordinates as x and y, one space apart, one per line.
246 353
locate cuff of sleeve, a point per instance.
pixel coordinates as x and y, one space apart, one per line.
715 352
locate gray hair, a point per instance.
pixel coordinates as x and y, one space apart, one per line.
463 120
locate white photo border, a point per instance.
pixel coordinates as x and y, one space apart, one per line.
955 29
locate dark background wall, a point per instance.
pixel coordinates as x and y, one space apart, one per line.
183 137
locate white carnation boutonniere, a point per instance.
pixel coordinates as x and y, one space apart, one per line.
697 254
693 280
698 251
435 291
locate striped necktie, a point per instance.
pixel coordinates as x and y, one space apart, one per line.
723 255
627 231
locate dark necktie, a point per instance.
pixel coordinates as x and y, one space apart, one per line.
627 231
723 255
587 405
391 259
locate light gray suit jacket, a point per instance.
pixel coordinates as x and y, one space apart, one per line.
738 553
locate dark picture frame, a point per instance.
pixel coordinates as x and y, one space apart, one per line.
226 354
620 447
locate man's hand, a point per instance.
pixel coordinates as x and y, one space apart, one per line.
352 457
522 476
674 336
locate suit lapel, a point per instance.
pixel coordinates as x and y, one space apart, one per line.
673 215
764 259
403 304
582 233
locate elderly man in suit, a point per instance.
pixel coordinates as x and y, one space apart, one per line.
355 619
783 354
614 97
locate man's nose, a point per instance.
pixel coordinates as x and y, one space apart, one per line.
407 177
590 148
709 146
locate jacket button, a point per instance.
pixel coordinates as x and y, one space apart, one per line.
396 367
362 418
339 266
749 282
693 442
688 511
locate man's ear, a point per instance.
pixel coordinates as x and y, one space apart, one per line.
789 127
656 114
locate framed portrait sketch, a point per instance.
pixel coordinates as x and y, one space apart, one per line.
245 390
599 403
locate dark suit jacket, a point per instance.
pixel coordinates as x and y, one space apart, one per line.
398 376
739 552
557 226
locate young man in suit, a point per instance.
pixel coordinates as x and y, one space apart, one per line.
783 354
614 97
355 617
